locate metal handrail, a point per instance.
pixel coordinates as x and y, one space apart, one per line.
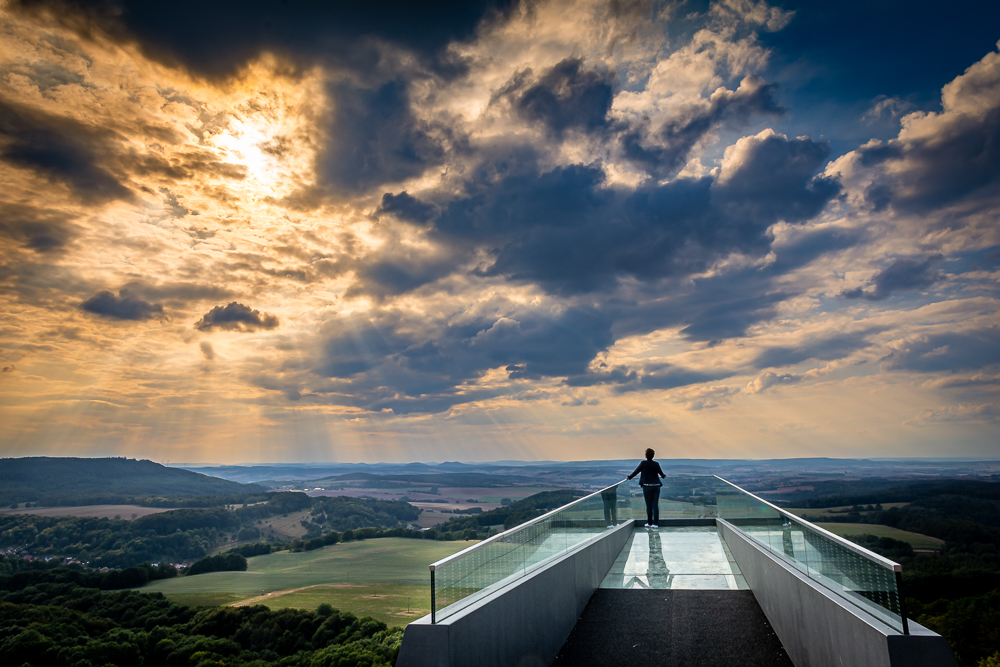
871 555
463 552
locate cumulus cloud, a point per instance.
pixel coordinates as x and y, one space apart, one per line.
207 350
125 306
236 317
571 231
940 158
667 149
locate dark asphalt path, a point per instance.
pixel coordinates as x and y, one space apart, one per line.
672 628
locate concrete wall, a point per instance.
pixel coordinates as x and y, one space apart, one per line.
816 628
522 625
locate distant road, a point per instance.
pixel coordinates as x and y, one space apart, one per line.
98 511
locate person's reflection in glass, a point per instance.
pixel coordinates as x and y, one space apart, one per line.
610 498
657 573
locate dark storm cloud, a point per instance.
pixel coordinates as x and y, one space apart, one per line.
125 306
947 352
567 96
569 231
236 317
59 148
902 275
35 228
563 222
216 38
828 348
671 143
374 138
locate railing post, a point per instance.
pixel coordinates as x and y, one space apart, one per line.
433 606
902 605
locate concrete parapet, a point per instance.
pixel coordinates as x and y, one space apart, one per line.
523 624
816 627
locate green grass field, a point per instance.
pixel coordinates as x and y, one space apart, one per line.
393 569
916 540
393 604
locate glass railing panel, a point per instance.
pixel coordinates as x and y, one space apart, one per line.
865 579
688 498
504 558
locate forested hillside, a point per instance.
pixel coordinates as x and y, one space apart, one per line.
79 481
187 534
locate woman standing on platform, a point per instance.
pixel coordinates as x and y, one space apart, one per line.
649 479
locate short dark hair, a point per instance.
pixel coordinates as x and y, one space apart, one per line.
650 454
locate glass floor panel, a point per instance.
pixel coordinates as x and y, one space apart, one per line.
682 557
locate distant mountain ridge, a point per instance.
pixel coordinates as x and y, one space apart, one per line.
41 478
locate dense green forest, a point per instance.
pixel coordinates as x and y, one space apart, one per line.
73 625
78 481
187 534
955 592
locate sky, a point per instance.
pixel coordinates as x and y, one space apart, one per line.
269 231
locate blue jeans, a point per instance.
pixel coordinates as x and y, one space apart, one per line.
651 494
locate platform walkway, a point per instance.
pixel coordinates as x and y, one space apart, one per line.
674 597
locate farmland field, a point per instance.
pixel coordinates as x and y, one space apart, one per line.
390 569
916 540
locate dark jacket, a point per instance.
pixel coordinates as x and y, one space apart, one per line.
649 473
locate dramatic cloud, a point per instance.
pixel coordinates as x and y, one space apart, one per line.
235 317
125 306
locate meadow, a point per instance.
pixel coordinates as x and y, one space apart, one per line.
915 540
377 577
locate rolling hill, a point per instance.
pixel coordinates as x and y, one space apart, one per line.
71 481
